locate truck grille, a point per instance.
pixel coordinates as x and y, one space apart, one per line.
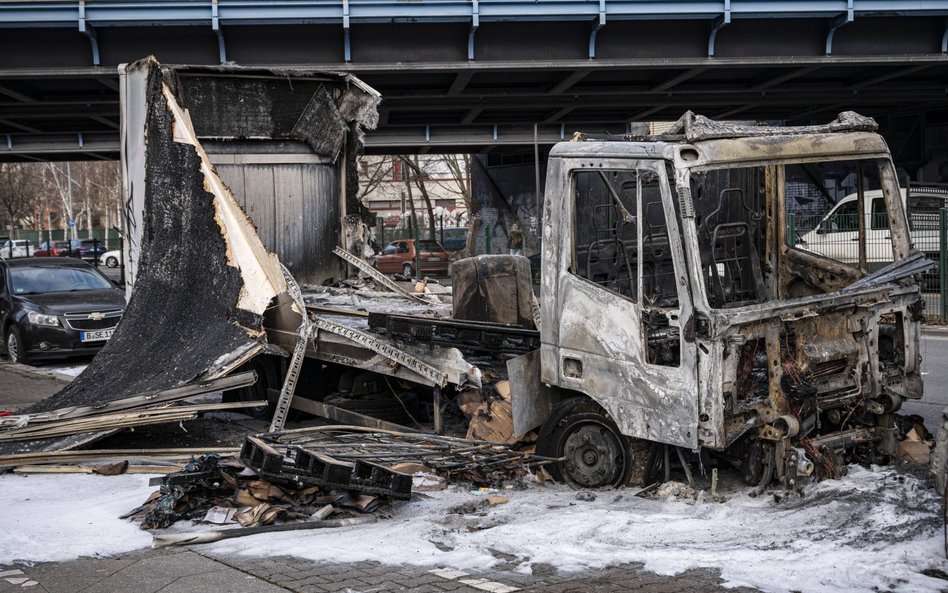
93 321
832 367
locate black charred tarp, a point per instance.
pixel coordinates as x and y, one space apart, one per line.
182 318
203 279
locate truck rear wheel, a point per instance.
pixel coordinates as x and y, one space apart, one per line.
596 454
269 376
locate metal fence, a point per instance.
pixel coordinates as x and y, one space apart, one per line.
837 236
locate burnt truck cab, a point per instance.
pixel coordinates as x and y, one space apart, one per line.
676 302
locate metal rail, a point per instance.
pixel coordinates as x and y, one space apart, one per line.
467 336
344 12
369 341
307 333
378 276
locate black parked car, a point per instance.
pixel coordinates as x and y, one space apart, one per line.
56 308
454 238
87 249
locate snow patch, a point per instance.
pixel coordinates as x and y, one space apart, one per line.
876 529
48 517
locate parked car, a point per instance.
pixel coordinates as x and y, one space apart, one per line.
111 259
87 249
13 248
837 234
454 238
57 248
398 257
56 308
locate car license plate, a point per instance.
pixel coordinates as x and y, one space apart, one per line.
96 336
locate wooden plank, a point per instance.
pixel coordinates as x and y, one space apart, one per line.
120 420
58 432
336 311
108 454
136 401
87 469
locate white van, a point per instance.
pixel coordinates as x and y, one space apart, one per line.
837 234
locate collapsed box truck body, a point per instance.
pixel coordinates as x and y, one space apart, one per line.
673 308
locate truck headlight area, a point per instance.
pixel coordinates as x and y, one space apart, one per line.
42 319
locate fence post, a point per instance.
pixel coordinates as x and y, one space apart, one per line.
943 261
487 238
417 255
122 260
791 229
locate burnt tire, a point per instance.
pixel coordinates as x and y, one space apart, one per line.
269 376
597 454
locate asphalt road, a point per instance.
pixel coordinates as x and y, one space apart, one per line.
935 375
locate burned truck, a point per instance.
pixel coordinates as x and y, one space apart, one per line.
677 314
677 310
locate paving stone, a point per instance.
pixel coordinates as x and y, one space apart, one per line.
343 585
185 570
376 579
452 586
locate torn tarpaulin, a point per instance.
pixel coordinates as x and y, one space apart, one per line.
204 277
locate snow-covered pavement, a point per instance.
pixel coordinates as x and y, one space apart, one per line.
876 529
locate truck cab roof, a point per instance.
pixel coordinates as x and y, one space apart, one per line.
696 141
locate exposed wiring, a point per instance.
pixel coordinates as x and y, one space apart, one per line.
392 389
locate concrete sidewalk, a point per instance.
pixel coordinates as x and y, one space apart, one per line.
174 571
177 570
20 388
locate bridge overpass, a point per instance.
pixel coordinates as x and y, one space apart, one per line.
482 75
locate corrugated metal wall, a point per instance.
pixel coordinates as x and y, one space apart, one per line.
296 209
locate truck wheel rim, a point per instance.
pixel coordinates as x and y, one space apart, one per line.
595 454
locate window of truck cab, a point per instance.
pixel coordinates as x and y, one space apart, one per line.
792 229
620 243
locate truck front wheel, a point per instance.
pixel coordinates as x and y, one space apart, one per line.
595 454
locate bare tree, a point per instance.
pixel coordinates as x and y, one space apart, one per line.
101 188
86 192
459 184
373 171
19 185
59 177
419 177
411 198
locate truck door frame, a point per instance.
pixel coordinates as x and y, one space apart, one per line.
585 350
